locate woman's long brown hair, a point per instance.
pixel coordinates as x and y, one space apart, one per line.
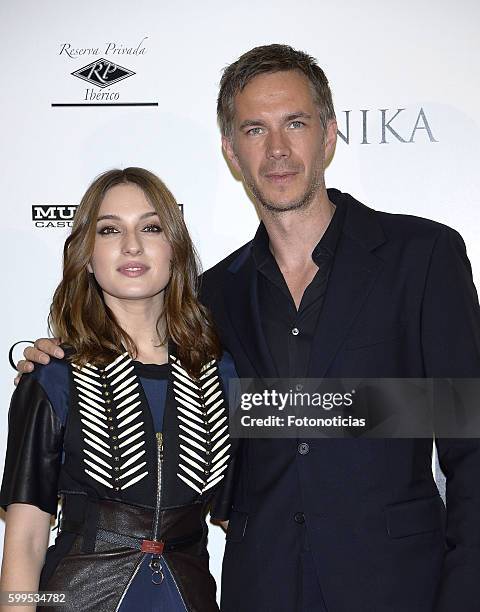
79 315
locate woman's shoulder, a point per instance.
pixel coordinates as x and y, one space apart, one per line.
54 373
53 378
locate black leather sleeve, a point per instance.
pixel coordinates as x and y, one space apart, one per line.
34 449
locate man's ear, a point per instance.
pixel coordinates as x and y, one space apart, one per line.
330 140
227 146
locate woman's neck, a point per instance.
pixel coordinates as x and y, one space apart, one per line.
140 320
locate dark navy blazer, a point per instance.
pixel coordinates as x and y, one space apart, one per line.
400 303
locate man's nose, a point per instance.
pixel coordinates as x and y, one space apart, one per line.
278 145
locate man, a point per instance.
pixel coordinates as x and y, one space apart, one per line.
331 288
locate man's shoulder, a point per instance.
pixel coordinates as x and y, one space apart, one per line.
213 277
403 226
410 226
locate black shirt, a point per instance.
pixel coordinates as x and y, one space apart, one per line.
288 332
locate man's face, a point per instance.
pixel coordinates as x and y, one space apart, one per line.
278 141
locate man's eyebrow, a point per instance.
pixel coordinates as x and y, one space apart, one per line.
117 218
299 115
251 122
286 118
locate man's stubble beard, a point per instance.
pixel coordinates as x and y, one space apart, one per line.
303 202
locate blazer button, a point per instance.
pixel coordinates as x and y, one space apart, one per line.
299 517
303 448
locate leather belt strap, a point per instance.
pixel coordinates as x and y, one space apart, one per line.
125 525
149 546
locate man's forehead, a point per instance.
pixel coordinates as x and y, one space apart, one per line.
284 92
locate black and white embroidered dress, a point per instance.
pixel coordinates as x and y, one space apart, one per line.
137 454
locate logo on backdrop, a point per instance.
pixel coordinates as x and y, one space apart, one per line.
103 73
385 126
53 215
58 215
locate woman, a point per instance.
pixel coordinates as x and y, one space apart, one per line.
132 430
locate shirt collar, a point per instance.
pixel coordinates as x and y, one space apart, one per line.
324 249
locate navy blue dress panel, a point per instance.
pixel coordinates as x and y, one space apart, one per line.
154 380
54 380
144 595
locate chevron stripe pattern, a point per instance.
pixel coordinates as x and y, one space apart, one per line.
113 430
203 426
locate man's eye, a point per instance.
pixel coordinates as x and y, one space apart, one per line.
297 124
152 227
255 131
108 229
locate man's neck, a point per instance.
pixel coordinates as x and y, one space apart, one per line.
294 234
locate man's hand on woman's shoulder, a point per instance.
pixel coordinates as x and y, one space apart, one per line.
40 352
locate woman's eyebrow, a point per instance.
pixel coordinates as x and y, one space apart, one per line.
117 218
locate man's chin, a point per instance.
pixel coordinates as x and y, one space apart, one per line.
279 207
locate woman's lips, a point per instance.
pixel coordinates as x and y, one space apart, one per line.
133 269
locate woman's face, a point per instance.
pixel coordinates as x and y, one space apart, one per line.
131 256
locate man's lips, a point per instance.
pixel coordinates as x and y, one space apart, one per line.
133 269
280 177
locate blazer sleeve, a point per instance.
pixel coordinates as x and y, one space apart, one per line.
451 349
34 449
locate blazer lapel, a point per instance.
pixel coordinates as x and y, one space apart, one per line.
353 275
244 312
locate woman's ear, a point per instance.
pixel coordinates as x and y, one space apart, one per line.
89 268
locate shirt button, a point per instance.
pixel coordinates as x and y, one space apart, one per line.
303 448
295 331
299 517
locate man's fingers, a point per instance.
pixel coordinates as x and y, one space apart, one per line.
49 346
34 355
23 367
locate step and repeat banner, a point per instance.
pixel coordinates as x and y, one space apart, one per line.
93 86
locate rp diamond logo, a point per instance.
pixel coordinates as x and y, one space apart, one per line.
103 73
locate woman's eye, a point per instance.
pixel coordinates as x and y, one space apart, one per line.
108 229
152 227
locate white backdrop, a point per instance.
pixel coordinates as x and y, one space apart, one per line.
420 56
